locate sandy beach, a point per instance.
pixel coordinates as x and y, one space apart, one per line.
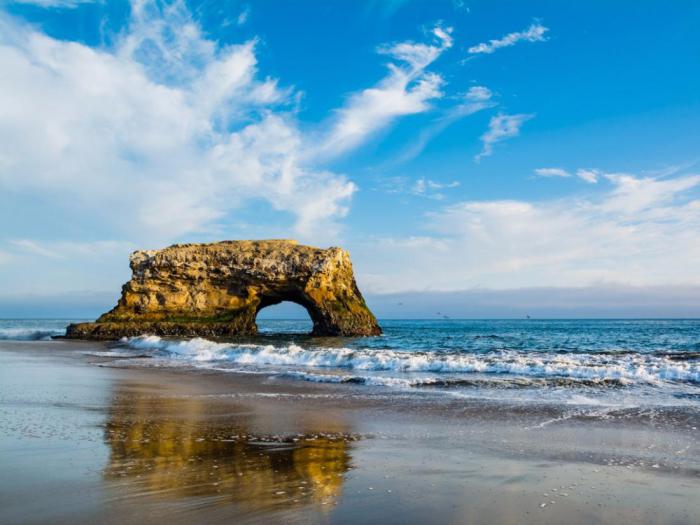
86 440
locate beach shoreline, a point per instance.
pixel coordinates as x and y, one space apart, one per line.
87 440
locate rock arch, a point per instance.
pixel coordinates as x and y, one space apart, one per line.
218 289
271 303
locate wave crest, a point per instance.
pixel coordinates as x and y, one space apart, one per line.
29 334
621 369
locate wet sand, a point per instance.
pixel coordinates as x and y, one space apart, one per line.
87 440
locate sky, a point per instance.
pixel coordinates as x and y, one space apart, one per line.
490 157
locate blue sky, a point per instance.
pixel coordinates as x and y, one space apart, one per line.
450 146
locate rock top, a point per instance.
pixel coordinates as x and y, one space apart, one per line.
217 289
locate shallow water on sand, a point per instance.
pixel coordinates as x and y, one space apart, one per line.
84 441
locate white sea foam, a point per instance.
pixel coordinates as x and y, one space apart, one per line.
624 368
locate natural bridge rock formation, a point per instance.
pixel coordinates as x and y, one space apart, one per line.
218 289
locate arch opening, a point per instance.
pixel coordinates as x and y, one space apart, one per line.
284 317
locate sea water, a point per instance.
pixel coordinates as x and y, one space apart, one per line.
32 329
599 362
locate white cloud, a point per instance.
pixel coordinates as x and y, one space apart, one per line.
552 172
501 127
588 174
534 33
642 232
478 94
161 136
407 89
633 195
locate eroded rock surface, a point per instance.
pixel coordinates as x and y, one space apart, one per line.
218 289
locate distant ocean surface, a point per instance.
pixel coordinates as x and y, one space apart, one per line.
574 361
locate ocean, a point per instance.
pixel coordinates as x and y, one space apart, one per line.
582 362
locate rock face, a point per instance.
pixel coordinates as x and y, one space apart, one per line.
218 289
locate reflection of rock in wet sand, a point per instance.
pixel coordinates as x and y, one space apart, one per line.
178 447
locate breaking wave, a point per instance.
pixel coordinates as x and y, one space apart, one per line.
617 369
29 334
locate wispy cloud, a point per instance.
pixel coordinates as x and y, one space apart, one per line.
407 89
641 195
590 175
432 189
476 99
501 127
243 15
552 172
421 187
534 33
34 248
642 231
